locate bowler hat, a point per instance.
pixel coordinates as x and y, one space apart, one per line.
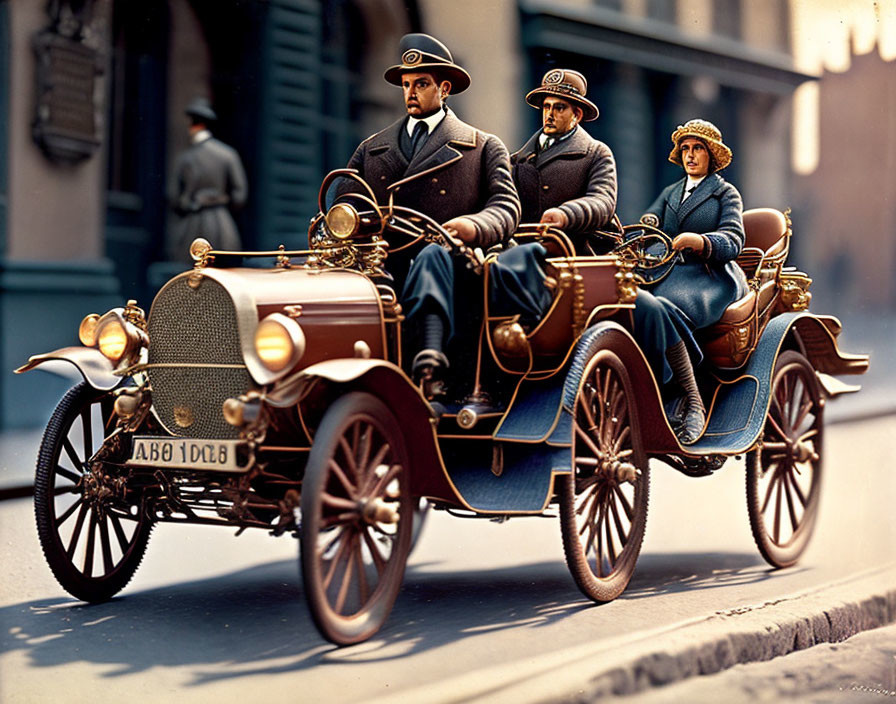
421 53
709 134
566 84
201 108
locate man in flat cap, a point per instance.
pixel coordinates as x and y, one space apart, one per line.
208 182
448 170
566 179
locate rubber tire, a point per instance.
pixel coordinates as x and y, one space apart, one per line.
73 580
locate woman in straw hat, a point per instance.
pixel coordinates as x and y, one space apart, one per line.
702 213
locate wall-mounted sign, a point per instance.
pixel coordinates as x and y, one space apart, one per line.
67 114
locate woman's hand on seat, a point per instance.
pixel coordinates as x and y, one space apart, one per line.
688 240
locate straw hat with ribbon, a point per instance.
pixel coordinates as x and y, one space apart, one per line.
421 53
709 134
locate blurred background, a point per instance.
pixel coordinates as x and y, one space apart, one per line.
92 94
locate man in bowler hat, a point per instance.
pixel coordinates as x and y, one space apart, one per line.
566 179
448 170
208 182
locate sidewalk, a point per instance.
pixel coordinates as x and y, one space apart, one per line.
862 333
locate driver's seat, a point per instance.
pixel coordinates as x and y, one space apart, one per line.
728 343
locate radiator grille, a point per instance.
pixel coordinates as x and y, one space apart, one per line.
193 328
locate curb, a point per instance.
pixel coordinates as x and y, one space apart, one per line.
631 664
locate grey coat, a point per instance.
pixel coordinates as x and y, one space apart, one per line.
459 171
576 175
208 180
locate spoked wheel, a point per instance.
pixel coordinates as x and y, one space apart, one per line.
92 530
357 518
603 506
784 474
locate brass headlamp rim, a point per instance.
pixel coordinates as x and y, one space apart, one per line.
341 234
135 337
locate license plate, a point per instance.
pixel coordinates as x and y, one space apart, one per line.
185 452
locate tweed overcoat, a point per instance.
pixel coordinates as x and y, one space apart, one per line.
700 286
576 175
207 181
459 171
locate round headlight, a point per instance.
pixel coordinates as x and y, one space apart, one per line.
343 220
112 339
87 330
279 342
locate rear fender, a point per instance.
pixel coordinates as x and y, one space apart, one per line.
656 433
96 369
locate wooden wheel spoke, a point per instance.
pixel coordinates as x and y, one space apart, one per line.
69 511
768 492
777 427
341 596
623 499
382 482
72 454
808 435
343 539
620 530
349 454
338 502
76 532
621 438
68 474
587 406
363 586
798 491
87 430
375 553
791 509
803 412
119 533
589 442
777 523
338 519
349 487
89 548
611 547
106 546
599 553
364 453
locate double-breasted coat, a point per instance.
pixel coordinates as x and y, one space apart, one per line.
207 182
701 286
460 170
576 175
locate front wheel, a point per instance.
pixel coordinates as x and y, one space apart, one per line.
357 518
92 528
603 504
784 473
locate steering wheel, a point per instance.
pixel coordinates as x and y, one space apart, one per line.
418 227
648 248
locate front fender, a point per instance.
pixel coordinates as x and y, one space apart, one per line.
389 383
96 369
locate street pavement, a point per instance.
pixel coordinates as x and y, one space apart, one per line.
488 611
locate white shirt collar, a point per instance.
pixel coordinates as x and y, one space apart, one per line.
431 122
694 182
542 138
200 136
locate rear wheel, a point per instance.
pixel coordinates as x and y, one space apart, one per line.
93 531
603 505
357 518
784 473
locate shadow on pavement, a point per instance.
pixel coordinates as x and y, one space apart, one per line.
255 621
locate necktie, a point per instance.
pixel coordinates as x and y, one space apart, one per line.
419 137
548 143
687 193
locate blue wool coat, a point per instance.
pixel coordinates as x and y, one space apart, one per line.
701 286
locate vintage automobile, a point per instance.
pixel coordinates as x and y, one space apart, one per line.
268 390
